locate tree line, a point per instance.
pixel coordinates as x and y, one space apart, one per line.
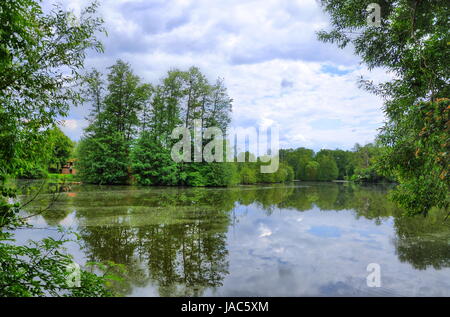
359 164
128 139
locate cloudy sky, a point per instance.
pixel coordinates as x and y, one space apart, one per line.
275 69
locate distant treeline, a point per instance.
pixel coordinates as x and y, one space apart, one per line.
359 164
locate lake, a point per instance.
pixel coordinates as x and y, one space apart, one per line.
298 239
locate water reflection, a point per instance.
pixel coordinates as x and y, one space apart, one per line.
297 239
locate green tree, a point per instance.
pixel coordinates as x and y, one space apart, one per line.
343 161
124 101
62 149
365 164
163 113
420 157
328 169
247 175
221 174
34 90
312 171
196 92
297 159
93 91
105 147
412 43
103 159
218 106
152 164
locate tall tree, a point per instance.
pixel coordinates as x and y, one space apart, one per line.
218 106
105 147
298 159
34 89
124 101
93 91
412 43
196 90
311 171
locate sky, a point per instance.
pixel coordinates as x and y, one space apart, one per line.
275 69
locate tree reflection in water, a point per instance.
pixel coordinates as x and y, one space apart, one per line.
176 238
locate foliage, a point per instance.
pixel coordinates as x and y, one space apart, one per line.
411 43
112 149
248 175
33 90
41 269
221 174
103 159
62 177
297 159
312 171
105 147
62 148
419 156
357 164
36 53
152 164
328 169
195 174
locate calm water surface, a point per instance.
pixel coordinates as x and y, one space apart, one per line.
302 239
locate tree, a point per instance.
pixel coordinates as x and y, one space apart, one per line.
163 113
221 174
412 43
328 169
196 91
37 52
152 164
419 157
62 148
311 171
93 90
297 159
218 106
365 164
105 148
343 161
33 89
103 159
125 100
129 107
285 173
247 175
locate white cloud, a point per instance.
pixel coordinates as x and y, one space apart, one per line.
264 231
275 68
73 128
70 124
